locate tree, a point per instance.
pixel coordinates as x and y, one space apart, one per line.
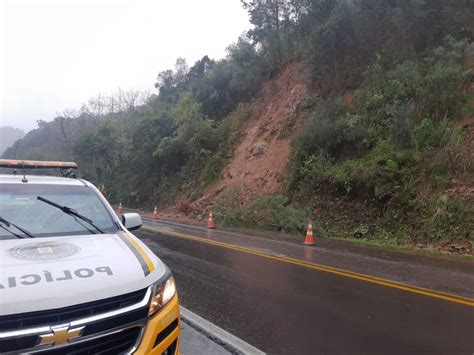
268 17
170 83
192 142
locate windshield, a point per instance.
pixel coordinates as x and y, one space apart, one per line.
19 205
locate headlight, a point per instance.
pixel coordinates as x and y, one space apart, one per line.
163 293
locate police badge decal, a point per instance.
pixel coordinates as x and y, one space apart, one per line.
43 251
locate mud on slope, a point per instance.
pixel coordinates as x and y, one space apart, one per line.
262 154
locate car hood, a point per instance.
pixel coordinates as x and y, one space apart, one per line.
55 272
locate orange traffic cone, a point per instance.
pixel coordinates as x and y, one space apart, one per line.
210 222
120 208
309 240
154 215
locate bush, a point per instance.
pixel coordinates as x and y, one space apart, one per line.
271 212
450 220
427 134
441 93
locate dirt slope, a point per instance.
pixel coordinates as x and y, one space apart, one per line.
262 154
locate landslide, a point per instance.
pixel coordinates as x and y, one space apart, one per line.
260 160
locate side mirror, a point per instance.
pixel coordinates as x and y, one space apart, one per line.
132 221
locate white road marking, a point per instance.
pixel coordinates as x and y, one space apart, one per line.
217 333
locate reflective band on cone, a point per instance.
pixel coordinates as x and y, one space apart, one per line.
309 240
154 215
210 222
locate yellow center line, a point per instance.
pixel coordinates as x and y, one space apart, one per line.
346 273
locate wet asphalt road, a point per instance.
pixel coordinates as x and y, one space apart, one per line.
284 308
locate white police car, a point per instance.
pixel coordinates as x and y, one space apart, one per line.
73 279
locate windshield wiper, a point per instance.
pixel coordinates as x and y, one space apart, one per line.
71 212
6 223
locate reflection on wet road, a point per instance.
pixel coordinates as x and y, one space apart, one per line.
286 308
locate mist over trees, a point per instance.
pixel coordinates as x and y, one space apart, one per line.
8 136
407 64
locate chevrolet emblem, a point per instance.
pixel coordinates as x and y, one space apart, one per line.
60 335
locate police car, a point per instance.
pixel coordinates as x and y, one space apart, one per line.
73 279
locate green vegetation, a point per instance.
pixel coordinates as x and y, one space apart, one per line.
388 153
376 158
271 212
149 149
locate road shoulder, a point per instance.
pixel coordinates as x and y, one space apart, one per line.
203 337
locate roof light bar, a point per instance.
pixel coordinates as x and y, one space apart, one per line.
36 164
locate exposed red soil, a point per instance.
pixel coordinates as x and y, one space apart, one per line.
263 153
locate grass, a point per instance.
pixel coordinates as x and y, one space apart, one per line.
404 247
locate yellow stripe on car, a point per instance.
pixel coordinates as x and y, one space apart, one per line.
140 250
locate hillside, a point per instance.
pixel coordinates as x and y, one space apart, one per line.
260 159
8 136
325 109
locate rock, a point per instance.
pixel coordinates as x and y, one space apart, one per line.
184 208
459 249
258 149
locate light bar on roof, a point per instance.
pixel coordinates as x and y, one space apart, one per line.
36 164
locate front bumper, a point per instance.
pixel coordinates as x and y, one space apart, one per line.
161 334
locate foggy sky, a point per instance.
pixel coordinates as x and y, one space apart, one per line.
55 55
